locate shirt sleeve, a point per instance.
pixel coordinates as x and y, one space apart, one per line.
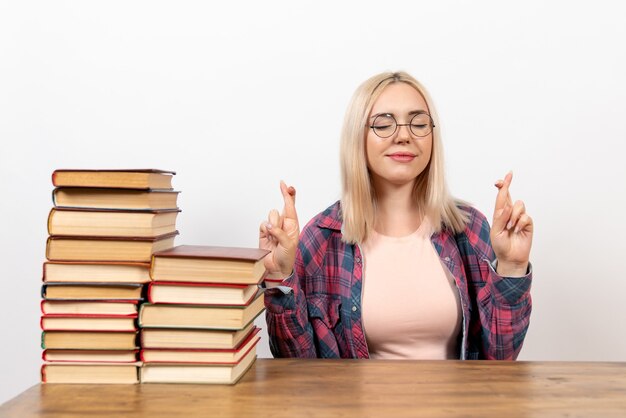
290 332
501 305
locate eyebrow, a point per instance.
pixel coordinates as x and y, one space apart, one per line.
411 113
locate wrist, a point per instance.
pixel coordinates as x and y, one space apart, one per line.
277 276
511 269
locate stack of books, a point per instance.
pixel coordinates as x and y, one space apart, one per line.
103 229
198 324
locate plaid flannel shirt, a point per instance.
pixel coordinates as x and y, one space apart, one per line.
316 312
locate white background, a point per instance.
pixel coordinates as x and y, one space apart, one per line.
235 96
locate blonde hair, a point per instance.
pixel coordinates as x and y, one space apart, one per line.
358 200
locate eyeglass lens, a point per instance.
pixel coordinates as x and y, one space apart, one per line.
385 125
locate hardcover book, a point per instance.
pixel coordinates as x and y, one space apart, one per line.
102 198
89 307
89 340
201 293
112 223
96 271
91 291
197 373
120 178
90 356
68 248
88 323
200 356
200 316
194 338
88 373
208 264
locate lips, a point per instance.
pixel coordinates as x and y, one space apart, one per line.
403 157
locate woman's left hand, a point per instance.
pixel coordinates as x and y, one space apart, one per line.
511 232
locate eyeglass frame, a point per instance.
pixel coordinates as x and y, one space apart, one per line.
432 123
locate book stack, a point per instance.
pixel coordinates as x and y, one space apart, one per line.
103 229
197 326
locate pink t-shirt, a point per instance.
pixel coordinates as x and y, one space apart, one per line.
411 306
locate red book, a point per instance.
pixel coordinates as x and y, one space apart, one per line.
89 322
201 356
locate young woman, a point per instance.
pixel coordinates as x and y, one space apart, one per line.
397 268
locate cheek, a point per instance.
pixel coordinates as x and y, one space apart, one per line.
370 150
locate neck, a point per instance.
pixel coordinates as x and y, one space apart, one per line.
397 212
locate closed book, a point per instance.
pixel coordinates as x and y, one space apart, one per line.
91 291
200 316
194 338
69 248
225 374
134 178
200 356
201 293
89 340
96 271
103 198
88 307
209 264
90 373
90 356
111 223
88 323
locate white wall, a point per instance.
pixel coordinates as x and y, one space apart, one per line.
235 96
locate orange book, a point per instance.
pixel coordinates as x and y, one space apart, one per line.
201 293
134 178
111 223
110 198
132 249
208 264
89 307
96 271
194 338
90 373
200 316
89 340
92 291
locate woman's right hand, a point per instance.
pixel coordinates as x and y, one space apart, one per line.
280 234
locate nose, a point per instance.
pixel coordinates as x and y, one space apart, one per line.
403 135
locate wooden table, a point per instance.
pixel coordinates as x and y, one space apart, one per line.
354 388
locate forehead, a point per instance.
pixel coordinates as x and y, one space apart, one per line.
399 98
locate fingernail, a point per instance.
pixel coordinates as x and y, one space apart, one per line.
516 229
509 225
268 225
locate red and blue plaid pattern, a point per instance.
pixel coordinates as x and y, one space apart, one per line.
316 312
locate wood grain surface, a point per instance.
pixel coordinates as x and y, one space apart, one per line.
354 388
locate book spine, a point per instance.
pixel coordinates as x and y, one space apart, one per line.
43 373
149 292
50 216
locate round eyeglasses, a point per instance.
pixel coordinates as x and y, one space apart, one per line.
385 125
